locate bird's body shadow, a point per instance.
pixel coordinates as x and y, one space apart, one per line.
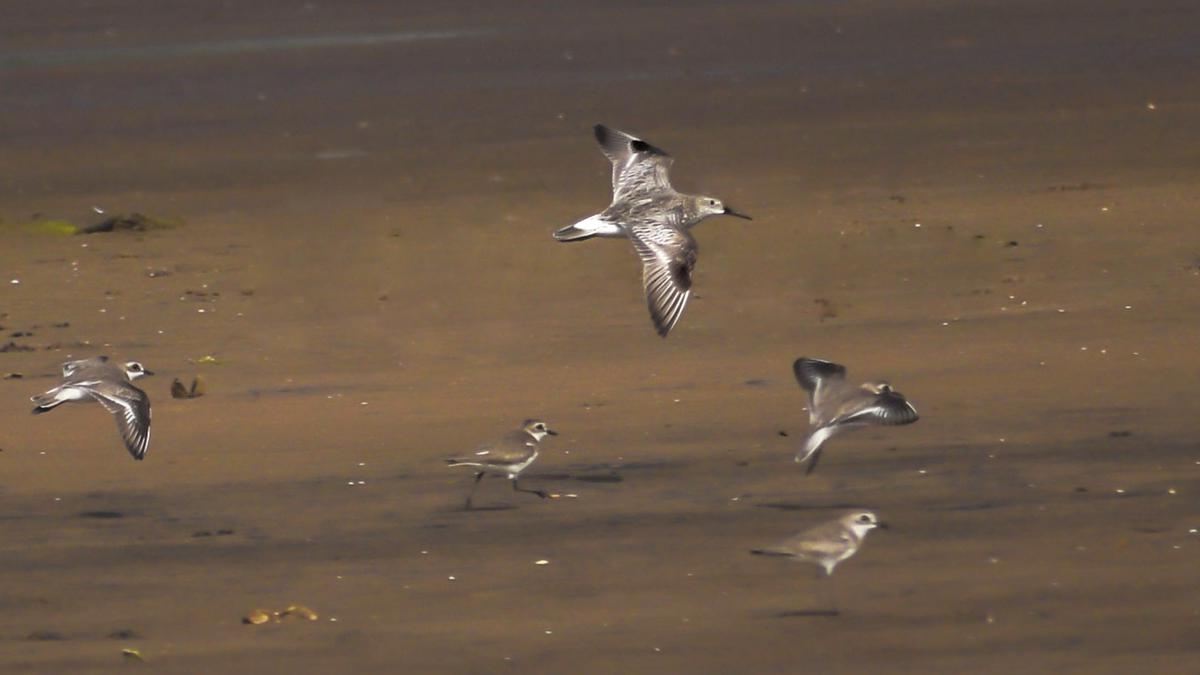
485 509
796 506
802 613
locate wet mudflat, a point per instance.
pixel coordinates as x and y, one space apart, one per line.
994 208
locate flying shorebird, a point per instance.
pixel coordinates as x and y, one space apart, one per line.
508 456
827 544
834 405
656 218
111 385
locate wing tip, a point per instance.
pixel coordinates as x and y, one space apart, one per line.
137 447
810 371
666 315
622 142
900 411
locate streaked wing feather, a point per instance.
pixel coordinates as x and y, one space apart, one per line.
639 168
131 408
668 257
890 409
71 367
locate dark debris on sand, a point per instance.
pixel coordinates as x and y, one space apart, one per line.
132 222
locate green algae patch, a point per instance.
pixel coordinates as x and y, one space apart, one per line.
53 227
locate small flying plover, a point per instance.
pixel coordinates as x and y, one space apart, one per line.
657 219
111 385
508 456
827 544
834 405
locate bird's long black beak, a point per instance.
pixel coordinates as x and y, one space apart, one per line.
552 432
729 211
147 372
883 526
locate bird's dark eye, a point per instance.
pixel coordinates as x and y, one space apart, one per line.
864 519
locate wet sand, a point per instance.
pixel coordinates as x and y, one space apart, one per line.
995 207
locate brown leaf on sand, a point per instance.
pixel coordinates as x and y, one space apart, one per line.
198 388
300 611
257 617
261 616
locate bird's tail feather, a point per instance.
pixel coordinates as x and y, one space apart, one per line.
461 461
592 226
572 233
46 402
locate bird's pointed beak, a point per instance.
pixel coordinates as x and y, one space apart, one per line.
147 372
883 526
730 211
551 432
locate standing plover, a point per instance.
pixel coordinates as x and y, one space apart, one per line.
508 456
656 218
834 405
827 544
111 385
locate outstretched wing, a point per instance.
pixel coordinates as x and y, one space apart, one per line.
889 408
815 377
131 407
668 256
638 167
69 368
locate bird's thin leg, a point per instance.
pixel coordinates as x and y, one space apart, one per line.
830 596
518 488
478 477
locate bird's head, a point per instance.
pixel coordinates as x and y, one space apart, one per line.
711 206
134 370
537 429
862 522
878 388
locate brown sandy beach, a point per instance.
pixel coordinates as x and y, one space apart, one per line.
994 205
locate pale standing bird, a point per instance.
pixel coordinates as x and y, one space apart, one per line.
834 405
827 544
507 456
110 385
656 218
